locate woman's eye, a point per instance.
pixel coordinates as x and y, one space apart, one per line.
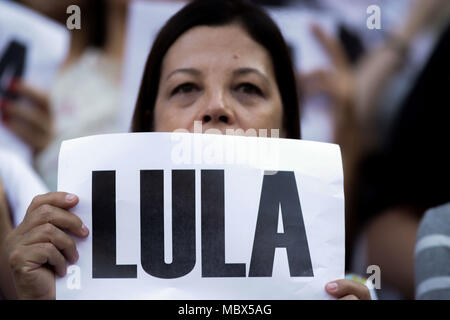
185 88
249 89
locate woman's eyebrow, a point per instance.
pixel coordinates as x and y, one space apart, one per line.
244 71
191 71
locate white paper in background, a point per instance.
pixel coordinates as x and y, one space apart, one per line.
21 183
146 18
316 121
46 43
317 169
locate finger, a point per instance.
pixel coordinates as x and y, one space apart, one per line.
319 81
25 259
342 288
349 297
61 200
32 135
314 77
42 211
49 233
28 113
36 139
332 47
46 253
60 218
38 97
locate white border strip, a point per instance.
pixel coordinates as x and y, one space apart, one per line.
431 284
432 241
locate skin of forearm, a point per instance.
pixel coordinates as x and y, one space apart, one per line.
6 280
391 239
373 75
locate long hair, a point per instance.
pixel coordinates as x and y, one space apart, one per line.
261 29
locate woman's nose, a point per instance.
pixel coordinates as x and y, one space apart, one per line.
217 111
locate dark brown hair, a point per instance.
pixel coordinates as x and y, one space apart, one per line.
259 26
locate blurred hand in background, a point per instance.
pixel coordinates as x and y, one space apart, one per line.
28 116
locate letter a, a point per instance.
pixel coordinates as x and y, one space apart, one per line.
280 189
73 21
374 20
74 278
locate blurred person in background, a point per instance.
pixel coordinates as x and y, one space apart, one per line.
389 117
85 97
84 100
393 138
19 183
432 255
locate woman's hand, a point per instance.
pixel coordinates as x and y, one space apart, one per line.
28 116
40 246
338 81
348 290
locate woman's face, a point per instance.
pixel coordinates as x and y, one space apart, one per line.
220 77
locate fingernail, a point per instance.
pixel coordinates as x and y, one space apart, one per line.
70 197
332 286
84 229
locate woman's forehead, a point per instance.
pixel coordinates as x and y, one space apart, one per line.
220 47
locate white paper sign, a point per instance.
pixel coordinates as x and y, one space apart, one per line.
32 48
196 216
146 18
